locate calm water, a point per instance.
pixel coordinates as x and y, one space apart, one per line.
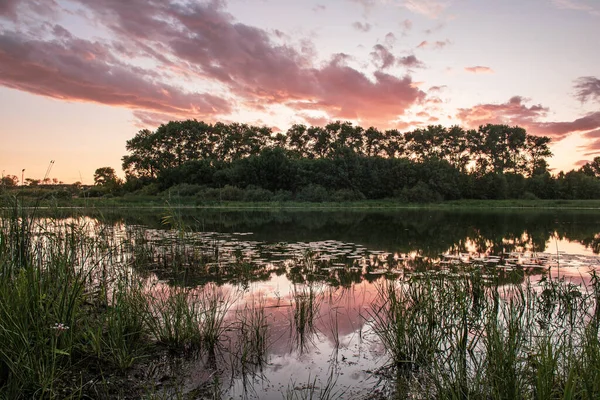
339 258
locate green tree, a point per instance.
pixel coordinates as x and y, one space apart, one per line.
10 181
32 182
592 168
107 179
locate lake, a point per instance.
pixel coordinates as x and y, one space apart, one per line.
310 290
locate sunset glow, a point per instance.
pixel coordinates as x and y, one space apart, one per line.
78 78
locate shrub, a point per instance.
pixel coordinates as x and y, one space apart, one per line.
185 190
150 190
344 195
313 193
283 195
94 192
253 193
231 193
529 196
420 193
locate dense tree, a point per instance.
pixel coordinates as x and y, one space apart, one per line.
491 162
105 175
9 181
592 168
32 182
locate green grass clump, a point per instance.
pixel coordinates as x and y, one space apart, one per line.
455 338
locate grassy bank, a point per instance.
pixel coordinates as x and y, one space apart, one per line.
144 201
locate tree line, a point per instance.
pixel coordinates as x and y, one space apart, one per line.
491 148
341 160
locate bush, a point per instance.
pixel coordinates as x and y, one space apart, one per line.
185 190
313 193
283 195
58 194
93 192
420 193
150 190
529 196
344 195
231 193
253 193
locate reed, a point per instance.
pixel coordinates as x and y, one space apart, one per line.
305 305
489 342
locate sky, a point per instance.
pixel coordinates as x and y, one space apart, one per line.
78 78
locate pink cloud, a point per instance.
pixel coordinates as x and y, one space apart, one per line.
197 42
437 45
75 69
577 5
315 121
587 123
430 8
479 69
515 112
592 134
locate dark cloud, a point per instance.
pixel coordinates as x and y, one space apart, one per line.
437 89
13 9
384 59
410 62
587 88
390 39
359 26
8 7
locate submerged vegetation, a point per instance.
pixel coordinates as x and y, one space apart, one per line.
90 309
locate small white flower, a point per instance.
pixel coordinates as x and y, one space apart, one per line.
60 327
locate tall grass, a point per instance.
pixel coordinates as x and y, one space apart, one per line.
42 292
456 338
305 305
72 312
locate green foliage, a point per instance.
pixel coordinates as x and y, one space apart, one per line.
529 196
343 195
231 193
492 162
313 193
420 193
185 190
9 181
254 194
